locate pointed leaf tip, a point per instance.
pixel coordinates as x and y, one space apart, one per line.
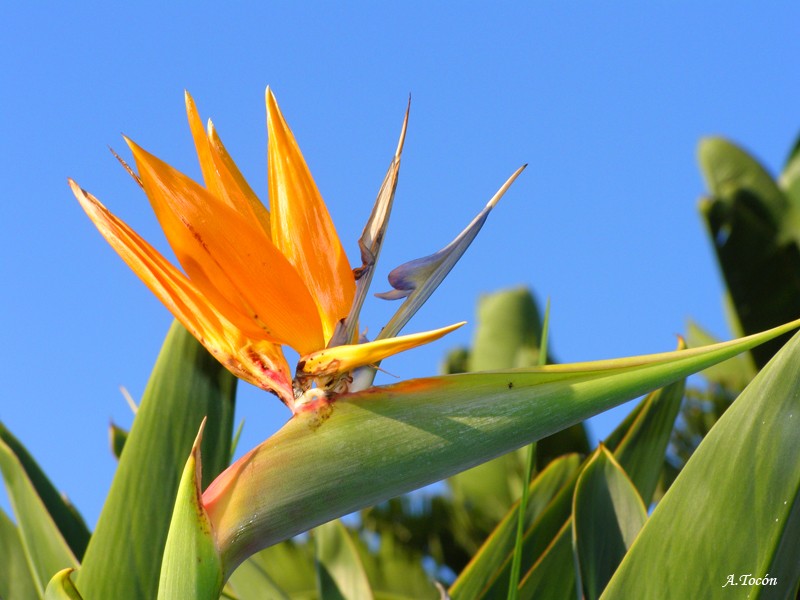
61 587
192 564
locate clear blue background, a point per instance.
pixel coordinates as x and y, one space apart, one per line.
606 101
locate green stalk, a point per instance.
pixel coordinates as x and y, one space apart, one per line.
513 588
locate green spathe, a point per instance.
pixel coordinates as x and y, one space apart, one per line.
410 434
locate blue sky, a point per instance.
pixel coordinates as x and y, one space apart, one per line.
606 102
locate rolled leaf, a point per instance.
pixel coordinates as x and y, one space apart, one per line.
642 449
191 567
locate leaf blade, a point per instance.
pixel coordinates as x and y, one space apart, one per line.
340 572
607 514
16 580
756 436
123 559
45 549
66 517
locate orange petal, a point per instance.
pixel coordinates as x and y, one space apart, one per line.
210 175
301 226
228 258
239 192
341 359
261 363
220 174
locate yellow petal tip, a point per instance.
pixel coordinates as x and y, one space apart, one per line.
342 359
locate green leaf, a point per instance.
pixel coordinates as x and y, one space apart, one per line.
66 517
516 561
285 570
491 488
638 443
730 171
508 331
251 582
340 573
642 449
117 436
389 440
734 509
607 514
45 549
235 441
552 576
430 524
790 178
123 560
755 232
733 374
191 567
507 336
16 581
61 587
395 573
456 361
497 548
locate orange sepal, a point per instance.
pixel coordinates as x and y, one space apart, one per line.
263 365
220 174
236 186
228 258
210 176
301 226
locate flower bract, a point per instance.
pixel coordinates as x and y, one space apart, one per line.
251 279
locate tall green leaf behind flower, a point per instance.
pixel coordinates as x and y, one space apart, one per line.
255 279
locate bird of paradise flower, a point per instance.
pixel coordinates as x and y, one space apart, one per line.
256 279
